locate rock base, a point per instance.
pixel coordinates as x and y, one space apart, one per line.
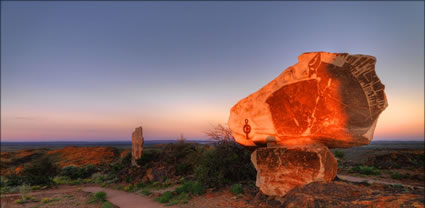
281 169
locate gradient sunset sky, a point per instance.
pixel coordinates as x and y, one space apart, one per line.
96 70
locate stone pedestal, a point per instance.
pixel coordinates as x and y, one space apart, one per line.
137 142
281 169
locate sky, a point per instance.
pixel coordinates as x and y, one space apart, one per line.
80 70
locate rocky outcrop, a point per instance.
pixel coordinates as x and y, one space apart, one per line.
329 98
137 142
279 170
338 194
326 100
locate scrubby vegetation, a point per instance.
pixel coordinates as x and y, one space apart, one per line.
339 154
365 170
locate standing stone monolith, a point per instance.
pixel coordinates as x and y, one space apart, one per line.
137 142
326 100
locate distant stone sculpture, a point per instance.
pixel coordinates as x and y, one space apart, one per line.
137 142
329 99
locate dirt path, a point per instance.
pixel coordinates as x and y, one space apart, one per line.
124 199
360 179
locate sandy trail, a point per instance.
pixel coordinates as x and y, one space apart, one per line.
124 199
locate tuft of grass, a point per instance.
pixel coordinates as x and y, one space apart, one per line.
97 197
365 170
48 200
101 196
236 189
20 201
24 190
164 198
195 188
107 205
145 191
339 154
400 176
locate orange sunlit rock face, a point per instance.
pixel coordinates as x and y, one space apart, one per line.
328 98
279 170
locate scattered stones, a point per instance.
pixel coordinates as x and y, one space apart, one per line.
137 142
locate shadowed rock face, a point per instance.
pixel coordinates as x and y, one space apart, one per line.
137 142
279 170
329 98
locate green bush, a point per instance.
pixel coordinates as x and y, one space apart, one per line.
223 164
182 198
365 170
107 205
13 180
48 200
236 189
75 172
146 191
195 188
101 196
39 172
400 176
20 201
146 158
164 198
339 154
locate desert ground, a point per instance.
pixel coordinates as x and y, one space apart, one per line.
377 175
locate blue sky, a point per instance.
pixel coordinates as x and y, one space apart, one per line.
78 70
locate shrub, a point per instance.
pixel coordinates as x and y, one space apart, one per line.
20 201
62 180
365 170
195 188
236 189
164 198
146 192
146 158
101 196
226 162
339 154
39 172
400 176
24 190
48 200
107 205
75 172
13 180
70 171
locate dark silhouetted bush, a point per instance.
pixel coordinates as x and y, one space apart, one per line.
39 172
226 162
339 154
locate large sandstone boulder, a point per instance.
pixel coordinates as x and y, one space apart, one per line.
137 142
329 98
279 170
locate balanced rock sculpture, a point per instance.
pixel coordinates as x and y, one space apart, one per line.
326 100
137 142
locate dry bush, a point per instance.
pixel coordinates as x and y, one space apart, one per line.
220 133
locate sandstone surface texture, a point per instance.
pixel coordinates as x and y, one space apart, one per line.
279 170
137 142
328 98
